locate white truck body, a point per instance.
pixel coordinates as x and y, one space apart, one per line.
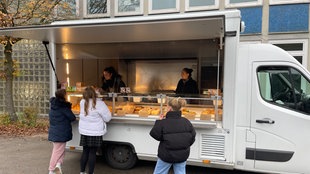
256 134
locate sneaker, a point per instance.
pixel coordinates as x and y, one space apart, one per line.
58 170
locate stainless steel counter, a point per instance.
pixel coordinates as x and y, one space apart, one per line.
151 121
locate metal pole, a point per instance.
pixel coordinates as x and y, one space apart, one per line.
49 57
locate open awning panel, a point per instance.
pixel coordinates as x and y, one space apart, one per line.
130 29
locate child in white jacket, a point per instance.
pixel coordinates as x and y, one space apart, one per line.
94 114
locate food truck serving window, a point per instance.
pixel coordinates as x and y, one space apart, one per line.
150 82
132 44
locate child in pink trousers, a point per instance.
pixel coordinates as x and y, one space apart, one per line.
60 130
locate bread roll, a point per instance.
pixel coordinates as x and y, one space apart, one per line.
190 115
155 111
120 113
129 109
206 117
144 112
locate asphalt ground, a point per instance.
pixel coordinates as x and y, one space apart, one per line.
31 155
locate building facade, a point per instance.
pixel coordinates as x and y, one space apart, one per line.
284 23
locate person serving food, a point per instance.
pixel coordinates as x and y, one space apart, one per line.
187 85
111 80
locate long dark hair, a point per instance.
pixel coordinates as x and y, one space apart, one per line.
111 70
89 93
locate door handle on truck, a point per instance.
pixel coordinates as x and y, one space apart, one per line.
265 121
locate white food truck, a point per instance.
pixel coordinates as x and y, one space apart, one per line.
253 108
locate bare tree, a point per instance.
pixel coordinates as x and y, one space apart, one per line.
24 12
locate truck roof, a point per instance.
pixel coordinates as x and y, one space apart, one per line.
181 26
266 52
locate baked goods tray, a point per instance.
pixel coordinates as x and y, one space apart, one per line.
150 120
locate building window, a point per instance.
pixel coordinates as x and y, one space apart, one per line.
252 17
273 2
128 7
32 88
243 3
164 6
289 18
193 5
96 8
70 12
297 48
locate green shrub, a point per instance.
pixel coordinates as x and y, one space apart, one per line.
28 117
5 119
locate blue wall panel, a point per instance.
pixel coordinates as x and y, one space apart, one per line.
287 18
253 19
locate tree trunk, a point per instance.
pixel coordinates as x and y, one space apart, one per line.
8 69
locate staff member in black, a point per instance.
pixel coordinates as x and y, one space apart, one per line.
111 80
187 85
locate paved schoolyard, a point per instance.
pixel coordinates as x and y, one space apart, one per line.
30 155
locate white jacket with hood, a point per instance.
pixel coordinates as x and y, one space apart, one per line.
94 123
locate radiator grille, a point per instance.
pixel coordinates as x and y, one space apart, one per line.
212 146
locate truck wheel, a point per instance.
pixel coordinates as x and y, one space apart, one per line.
120 156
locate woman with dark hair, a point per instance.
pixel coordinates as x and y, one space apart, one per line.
60 130
94 114
187 85
112 81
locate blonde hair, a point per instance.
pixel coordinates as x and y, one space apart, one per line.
176 103
89 93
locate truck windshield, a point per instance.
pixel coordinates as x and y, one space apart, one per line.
284 86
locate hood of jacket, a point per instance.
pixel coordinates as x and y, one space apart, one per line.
59 103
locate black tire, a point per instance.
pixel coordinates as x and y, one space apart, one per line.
120 156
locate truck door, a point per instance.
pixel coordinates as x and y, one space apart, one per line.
280 120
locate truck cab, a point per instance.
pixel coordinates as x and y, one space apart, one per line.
272 110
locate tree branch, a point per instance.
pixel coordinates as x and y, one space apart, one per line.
4 7
17 12
44 15
17 8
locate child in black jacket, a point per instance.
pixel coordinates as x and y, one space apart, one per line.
176 134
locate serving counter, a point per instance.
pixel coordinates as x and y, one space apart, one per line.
203 112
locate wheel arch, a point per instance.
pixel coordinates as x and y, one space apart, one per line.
107 143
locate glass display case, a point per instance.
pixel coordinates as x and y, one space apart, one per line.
152 106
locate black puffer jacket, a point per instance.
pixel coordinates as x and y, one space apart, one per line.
113 85
176 134
60 116
187 87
